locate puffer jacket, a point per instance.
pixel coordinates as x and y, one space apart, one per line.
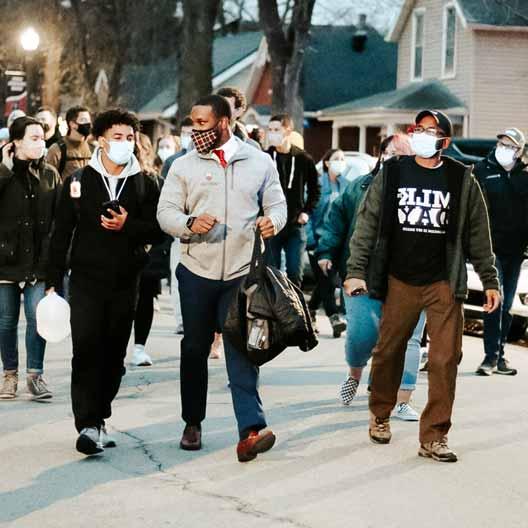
235 196
28 199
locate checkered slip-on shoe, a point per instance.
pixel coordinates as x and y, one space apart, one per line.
348 390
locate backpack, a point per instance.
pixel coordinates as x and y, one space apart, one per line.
64 156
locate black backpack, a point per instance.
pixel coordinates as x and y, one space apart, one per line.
64 156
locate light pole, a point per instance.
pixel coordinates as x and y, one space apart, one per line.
30 41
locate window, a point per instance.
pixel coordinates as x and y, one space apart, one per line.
448 64
418 45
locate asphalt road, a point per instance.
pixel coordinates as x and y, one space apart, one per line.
323 472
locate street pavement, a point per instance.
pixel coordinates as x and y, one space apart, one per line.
322 473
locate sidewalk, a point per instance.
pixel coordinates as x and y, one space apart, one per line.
323 472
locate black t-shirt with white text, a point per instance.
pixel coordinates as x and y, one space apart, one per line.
418 242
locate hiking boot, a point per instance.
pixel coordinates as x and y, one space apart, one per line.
405 412
313 317
379 430
105 439
10 385
438 450
348 390
504 368
140 358
338 325
486 368
38 388
89 441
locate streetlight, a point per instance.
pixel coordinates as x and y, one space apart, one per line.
29 39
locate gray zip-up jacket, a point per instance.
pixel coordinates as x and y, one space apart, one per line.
196 184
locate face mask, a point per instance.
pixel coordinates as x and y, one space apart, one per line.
84 129
186 142
164 153
275 139
506 157
205 140
338 166
120 152
33 150
424 145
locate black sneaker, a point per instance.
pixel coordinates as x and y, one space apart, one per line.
486 368
313 317
338 325
504 368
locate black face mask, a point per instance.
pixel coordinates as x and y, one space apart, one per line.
84 129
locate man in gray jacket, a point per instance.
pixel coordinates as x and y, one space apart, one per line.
212 200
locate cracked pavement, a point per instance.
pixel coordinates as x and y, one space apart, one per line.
323 472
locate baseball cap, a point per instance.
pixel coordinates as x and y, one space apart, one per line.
441 119
515 135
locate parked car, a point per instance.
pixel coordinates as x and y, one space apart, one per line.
469 151
358 164
519 310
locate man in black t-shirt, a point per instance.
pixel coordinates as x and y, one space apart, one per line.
421 219
300 183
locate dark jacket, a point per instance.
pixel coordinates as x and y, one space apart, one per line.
100 259
28 199
337 230
468 236
303 194
506 194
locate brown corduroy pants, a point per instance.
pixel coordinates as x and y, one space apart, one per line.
445 327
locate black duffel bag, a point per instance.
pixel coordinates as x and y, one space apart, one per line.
268 313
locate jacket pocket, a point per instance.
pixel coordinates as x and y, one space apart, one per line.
8 247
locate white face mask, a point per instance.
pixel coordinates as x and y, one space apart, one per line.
186 142
165 153
424 145
275 139
120 152
506 157
33 150
338 166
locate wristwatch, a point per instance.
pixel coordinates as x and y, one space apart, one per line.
190 222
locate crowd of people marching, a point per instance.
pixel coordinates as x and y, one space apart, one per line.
101 216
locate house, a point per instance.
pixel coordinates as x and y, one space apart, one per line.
341 63
468 58
152 90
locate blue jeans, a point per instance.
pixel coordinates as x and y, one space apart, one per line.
204 304
10 300
363 323
292 239
497 324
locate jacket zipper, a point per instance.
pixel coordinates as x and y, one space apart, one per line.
225 220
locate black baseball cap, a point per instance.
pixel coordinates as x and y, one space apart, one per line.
443 122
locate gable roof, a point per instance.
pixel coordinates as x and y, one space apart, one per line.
493 14
334 73
153 87
414 96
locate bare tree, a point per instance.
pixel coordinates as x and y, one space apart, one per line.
196 60
286 44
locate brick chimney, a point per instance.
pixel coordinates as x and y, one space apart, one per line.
359 40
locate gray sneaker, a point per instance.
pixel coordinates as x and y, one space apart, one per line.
10 385
105 439
89 441
38 388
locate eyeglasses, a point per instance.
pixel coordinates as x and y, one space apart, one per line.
431 131
509 146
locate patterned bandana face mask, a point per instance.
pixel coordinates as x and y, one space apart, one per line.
204 140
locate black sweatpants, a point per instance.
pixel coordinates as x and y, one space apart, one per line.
101 323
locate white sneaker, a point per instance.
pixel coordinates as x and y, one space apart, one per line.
89 441
105 439
405 412
140 358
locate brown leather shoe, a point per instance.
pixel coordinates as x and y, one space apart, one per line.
191 438
254 444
